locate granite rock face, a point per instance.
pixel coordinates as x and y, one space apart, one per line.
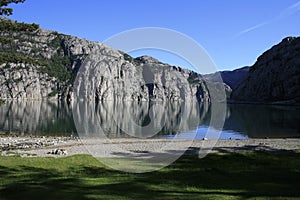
38 64
112 75
275 77
23 81
41 64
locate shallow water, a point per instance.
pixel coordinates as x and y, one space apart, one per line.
143 120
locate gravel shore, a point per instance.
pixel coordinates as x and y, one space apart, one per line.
65 146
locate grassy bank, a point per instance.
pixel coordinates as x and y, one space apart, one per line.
217 176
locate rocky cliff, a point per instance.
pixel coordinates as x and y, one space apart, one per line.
275 77
111 76
39 64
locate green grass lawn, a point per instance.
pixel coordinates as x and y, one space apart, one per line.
217 176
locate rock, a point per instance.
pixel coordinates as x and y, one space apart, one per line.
275 77
58 152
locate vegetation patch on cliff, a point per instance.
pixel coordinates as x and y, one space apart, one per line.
7 25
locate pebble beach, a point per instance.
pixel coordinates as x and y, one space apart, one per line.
67 146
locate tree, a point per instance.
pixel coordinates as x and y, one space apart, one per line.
3 6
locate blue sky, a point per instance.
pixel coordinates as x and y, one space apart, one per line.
233 32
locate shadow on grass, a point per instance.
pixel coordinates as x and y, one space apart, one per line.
244 148
217 176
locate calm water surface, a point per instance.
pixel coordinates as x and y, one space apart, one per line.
130 119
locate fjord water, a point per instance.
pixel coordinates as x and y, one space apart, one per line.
167 120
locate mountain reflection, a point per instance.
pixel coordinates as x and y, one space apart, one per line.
136 119
144 119
36 118
114 119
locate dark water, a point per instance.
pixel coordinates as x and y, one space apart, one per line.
130 119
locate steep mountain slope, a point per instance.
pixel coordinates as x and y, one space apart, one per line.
275 77
38 64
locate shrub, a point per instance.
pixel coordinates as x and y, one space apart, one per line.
2 101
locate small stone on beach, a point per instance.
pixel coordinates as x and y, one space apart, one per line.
58 152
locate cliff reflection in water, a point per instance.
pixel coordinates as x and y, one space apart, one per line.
134 119
36 118
116 119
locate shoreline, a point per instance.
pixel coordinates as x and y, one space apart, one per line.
43 146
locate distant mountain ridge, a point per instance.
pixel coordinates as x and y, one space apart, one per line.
231 78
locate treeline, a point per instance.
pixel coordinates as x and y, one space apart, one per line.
7 25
